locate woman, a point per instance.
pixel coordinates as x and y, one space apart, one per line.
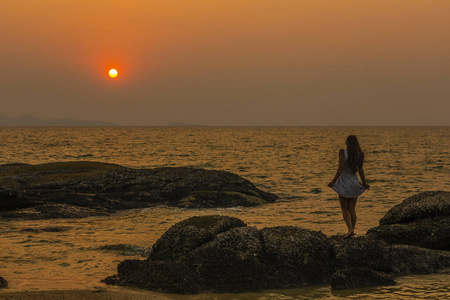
346 183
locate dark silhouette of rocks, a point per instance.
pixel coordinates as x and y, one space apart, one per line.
222 254
3 283
359 277
422 220
187 235
295 256
81 189
377 255
51 211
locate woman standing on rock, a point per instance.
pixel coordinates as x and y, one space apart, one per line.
346 183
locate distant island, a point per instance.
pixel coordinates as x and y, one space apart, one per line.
35 121
182 125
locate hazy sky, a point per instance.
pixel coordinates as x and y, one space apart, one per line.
227 62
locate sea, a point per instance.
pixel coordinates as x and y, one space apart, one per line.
296 163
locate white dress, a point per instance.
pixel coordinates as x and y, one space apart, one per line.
348 185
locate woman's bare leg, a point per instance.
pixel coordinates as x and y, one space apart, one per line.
351 209
346 213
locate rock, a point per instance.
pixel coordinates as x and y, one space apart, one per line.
156 275
377 255
232 262
208 199
296 256
433 233
359 277
222 254
361 252
80 189
3 283
187 235
422 220
406 260
52 211
420 206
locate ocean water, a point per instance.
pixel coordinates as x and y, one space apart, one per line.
295 163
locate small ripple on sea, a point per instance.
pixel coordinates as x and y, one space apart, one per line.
315 191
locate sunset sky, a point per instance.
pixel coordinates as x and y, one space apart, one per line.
227 62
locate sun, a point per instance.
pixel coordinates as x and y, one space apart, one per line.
113 73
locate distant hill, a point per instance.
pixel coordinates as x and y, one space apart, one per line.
35 121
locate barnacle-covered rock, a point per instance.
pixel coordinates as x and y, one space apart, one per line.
222 254
422 220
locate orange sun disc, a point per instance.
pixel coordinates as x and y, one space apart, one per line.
113 73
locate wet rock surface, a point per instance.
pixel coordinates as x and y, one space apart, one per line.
223 254
422 220
81 189
359 277
3 283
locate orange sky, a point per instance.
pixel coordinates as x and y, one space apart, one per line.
228 62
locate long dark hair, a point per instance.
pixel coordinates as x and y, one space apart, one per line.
355 154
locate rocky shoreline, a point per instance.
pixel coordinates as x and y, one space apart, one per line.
421 220
83 189
222 254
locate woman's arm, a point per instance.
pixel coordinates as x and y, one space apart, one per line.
363 177
340 168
